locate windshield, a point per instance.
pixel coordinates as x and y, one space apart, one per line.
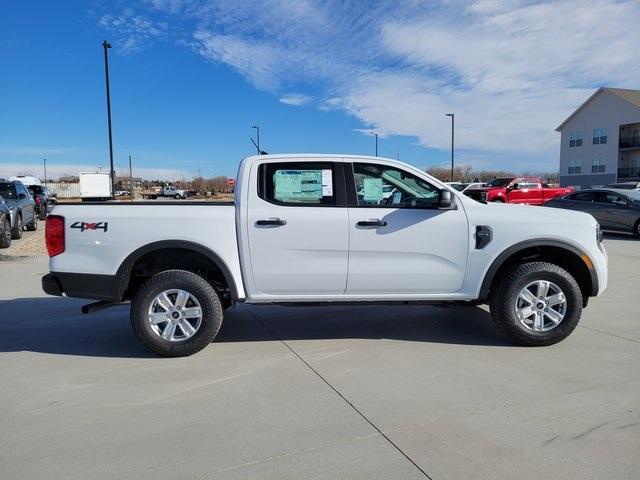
8 190
499 182
458 186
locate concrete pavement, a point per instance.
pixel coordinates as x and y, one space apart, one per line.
332 392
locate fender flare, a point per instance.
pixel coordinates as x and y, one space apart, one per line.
540 242
124 271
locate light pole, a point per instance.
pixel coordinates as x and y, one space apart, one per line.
453 116
257 127
44 160
375 135
130 180
106 45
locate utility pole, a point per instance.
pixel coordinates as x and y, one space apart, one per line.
453 116
44 160
130 180
106 45
257 127
375 135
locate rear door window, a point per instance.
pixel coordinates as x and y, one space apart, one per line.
298 184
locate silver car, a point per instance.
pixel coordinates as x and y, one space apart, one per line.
617 210
22 207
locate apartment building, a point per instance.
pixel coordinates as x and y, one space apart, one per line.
601 140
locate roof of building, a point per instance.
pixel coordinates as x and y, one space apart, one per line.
631 96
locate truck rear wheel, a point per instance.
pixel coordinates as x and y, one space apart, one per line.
176 313
536 304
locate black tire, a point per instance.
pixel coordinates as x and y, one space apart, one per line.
177 196
5 234
505 292
33 226
199 288
42 215
636 229
497 200
16 232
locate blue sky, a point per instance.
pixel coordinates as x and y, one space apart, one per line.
190 77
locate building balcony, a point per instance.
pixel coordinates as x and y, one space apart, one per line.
629 142
628 174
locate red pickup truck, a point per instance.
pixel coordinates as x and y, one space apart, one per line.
529 190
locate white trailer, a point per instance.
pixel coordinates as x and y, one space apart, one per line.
95 186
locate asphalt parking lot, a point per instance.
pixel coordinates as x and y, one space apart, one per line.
319 393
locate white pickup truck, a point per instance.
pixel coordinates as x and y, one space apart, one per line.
174 192
322 229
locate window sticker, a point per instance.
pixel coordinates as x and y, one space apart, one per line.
372 189
300 185
287 183
327 183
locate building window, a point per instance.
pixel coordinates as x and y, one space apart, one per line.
599 136
575 166
598 165
575 139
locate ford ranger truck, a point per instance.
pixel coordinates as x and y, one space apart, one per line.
325 229
529 190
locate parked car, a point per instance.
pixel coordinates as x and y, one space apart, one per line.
21 207
529 190
624 185
298 233
121 193
462 186
43 199
617 210
175 192
5 225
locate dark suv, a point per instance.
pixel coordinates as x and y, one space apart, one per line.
21 207
43 199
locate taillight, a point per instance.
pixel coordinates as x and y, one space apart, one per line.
54 235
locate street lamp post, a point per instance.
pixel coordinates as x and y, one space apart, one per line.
44 160
130 180
375 135
453 116
257 127
106 45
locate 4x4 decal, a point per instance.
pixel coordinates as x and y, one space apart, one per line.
83 226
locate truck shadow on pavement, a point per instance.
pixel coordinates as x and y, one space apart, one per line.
56 326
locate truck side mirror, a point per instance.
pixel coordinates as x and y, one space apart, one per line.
445 200
515 186
22 195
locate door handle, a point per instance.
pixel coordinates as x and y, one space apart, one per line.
271 222
372 223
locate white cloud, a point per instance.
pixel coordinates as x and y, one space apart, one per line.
511 70
295 99
55 170
132 30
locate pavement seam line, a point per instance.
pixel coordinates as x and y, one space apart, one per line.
610 334
342 396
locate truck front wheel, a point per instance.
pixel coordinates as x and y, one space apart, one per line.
536 304
176 313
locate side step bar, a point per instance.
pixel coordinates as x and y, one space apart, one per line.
95 306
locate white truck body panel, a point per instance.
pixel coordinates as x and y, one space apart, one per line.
132 226
95 185
424 254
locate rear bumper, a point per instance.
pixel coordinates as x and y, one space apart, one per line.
82 285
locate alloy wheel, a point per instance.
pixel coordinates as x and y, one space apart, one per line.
540 306
175 315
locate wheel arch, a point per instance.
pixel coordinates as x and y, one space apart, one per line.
562 253
126 269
